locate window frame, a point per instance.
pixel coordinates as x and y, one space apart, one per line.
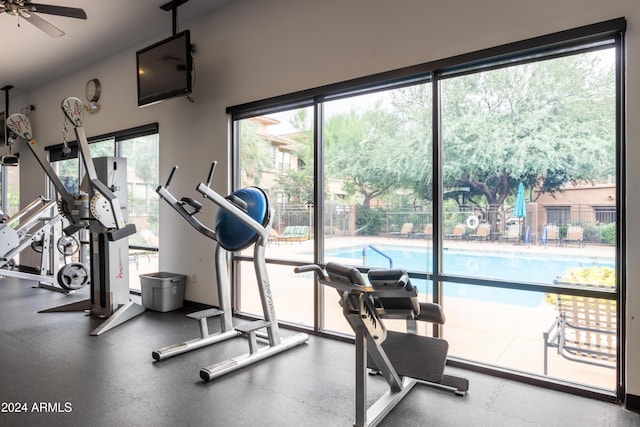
56 154
569 42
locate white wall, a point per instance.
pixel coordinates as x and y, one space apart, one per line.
253 49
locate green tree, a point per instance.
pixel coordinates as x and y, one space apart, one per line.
256 153
358 150
143 157
296 183
412 139
296 186
544 124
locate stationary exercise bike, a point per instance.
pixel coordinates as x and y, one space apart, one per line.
243 219
403 359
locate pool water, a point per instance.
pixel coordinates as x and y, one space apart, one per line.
516 267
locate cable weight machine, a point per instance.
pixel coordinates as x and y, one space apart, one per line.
97 209
38 226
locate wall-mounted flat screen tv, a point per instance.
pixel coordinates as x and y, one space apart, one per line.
164 69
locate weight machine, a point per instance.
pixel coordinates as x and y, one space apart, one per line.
243 219
403 359
38 226
98 209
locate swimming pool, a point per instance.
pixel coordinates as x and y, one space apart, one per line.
516 267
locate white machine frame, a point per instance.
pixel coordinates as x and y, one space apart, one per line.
188 208
38 221
411 359
110 297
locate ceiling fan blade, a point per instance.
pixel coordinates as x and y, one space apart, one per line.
69 12
48 28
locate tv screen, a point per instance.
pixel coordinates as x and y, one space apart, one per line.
164 69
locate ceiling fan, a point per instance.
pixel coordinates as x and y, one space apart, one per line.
28 11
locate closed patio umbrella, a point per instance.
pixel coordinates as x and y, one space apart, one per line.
520 209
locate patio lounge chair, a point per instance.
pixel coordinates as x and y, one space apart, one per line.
482 232
512 233
294 233
405 231
273 236
459 230
427 234
584 331
575 234
552 233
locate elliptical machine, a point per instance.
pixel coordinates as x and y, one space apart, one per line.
243 219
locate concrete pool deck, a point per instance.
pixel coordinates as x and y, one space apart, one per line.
501 335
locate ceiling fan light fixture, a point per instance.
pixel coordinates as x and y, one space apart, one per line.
30 12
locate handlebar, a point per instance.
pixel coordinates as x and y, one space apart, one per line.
308 268
171 175
210 177
237 201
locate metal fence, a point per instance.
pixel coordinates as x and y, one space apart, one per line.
347 220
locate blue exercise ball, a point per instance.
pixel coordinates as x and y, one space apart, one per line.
232 234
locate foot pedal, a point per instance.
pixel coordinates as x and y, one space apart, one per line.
250 329
252 326
203 314
459 384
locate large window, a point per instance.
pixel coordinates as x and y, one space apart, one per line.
141 149
605 214
10 189
477 175
559 215
289 135
9 177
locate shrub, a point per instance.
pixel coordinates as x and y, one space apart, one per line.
592 233
563 231
608 233
594 277
369 221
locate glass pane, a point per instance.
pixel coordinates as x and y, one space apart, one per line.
291 293
528 159
522 330
378 211
581 340
142 156
106 148
529 155
12 176
68 171
276 154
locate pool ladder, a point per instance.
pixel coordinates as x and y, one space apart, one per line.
373 248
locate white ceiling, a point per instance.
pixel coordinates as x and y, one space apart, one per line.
31 58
